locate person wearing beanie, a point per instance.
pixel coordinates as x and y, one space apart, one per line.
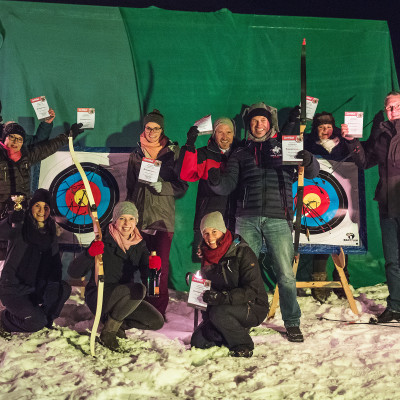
31 286
325 140
382 149
156 200
265 202
194 166
126 267
237 299
17 158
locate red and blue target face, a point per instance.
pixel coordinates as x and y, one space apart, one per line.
325 203
71 201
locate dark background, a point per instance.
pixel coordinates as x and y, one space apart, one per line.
352 9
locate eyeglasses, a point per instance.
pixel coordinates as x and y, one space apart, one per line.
395 107
16 139
149 130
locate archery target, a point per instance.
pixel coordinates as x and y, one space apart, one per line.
330 213
324 203
106 173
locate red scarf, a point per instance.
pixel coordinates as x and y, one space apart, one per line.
153 149
12 155
212 256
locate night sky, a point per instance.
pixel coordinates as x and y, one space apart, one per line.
353 9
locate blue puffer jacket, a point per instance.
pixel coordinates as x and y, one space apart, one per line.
264 183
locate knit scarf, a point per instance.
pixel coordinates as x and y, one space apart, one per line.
122 242
12 155
152 149
212 256
271 133
329 144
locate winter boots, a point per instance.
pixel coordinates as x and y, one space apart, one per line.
320 294
388 316
294 334
108 336
5 334
241 351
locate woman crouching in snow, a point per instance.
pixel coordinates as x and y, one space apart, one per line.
237 299
31 288
126 266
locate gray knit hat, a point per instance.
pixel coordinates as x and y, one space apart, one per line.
125 207
154 116
225 121
213 220
12 128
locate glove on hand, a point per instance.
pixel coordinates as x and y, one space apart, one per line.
76 129
294 114
213 297
17 216
192 136
306 156
155 262
96 248
157 186
214 176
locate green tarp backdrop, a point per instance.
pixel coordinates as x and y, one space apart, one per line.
126 61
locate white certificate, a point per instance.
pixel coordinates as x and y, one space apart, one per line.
311 106
149 170
197 288
354 120
204 125
86 117
41 107
291 145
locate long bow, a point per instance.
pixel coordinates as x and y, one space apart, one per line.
99 271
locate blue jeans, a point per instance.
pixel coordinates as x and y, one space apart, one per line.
390 228
278 238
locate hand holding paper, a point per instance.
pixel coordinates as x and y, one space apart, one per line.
192 136
157 186
76 129
50 119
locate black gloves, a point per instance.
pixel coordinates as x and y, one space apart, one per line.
192 136
214 176
17 216
294 114
76 130
213 297
306 156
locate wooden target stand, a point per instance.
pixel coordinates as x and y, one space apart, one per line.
339 261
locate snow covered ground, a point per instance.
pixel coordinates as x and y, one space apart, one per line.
338 360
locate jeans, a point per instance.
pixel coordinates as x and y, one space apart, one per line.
390 228
278 238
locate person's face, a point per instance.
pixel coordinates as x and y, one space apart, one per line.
393 107
126 223
40 211
211 236
223 136
152 132
14 142
325 131
259 126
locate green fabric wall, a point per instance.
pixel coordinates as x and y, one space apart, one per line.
126 61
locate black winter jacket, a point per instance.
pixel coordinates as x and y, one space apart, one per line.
195 165
264 183
383 151
156 210
25 263
15 176
119 267
238 275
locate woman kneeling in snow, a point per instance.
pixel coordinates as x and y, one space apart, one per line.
237 299
31 288
126 266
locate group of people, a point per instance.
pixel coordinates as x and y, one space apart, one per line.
244 199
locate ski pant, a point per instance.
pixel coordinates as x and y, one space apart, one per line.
228 325
125 303
32 312
161 243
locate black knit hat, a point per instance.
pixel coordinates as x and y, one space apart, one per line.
322 119
40 195
154 116
12 128
258 109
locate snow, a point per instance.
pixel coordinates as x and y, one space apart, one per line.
338 360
